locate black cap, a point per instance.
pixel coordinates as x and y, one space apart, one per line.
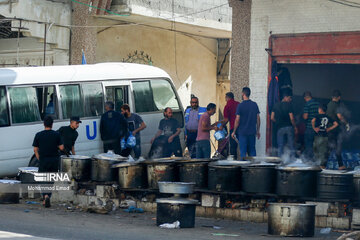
76 119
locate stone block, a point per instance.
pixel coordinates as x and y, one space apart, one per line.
244 215
104 191
356 216
341 223
210 212
321 221
200 211
82 200
209 200
257 217
321 208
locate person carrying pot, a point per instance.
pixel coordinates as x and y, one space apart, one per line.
47 144
135 126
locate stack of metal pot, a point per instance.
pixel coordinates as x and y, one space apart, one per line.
101 167
76 166
225 175
176 208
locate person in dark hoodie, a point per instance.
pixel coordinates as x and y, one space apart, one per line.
113 126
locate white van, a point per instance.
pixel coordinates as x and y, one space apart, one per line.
28 94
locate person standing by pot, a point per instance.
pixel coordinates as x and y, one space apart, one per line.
192 117
169 128
47 144
310 111
69 135
135 126
337 111
113 126
203 147
230 116
283 116
322 126
247 124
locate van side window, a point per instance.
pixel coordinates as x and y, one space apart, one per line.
24 105
164 95
4 112
143 95
93 99
47 101
71 103
118 95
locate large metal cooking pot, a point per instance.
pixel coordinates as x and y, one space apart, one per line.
26 174
194 170
170 210
9 191
160 170
334 184
356 182
76 166
225 175
101 167
131 175
297 181
291 219
258 178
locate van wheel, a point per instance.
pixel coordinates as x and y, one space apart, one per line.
34 162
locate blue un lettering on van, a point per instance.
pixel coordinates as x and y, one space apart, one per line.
88 131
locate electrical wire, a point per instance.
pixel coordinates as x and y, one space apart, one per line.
344 3
102 9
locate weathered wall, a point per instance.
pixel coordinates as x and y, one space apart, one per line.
193 71
57 37
289 16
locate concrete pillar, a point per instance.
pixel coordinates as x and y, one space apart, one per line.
240 52
83 37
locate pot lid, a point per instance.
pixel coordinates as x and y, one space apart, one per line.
261 165
159 161
230 163
8 181
176 201
195 160
264 159
292 204
110 157
76 157
28 169
299 165
124 164
336 172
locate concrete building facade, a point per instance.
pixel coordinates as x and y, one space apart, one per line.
307 19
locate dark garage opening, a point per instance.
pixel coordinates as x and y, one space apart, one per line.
321 80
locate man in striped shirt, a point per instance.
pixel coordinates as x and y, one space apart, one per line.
310 111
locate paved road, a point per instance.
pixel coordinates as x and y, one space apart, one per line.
58 223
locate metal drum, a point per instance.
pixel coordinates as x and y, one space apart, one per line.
76 166
194 170
101 167
291 219
356 182
225 175
160 170
170 210
296 181
131 175
335 184
9 191
26 174
258 178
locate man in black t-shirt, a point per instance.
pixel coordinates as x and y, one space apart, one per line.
282 115
170 129
46 148
322 125
69 135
